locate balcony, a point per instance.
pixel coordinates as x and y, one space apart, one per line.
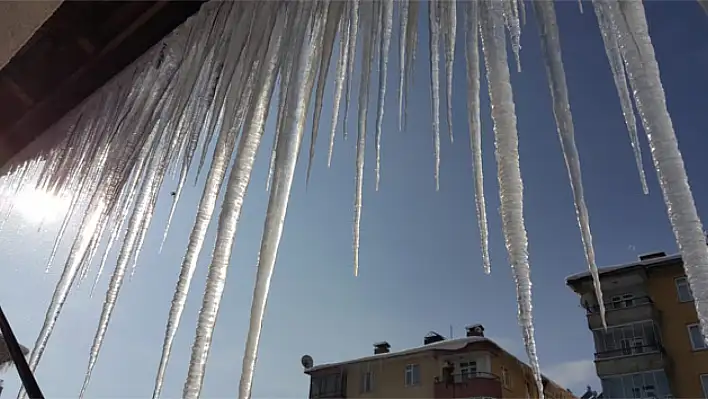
629 360
623 312
469 385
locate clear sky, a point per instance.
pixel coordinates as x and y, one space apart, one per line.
420 259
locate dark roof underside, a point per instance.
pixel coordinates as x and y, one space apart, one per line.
77 50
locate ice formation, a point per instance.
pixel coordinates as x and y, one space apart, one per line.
212 81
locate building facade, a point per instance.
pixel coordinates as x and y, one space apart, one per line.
653 347
469 367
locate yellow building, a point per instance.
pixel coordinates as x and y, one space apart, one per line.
653 347
469 367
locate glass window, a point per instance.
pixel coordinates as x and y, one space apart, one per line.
506 377
704 383
468 369
412 375
684 290
697 340
626 340
650 385
367 381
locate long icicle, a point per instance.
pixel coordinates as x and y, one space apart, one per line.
475 125
353 35
509 173
366 60
450 35
403 8
434 45
643 71
387 30
233 200
330 33
619 75
551 49
340 78
411 52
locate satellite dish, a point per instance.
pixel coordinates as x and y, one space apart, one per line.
307 361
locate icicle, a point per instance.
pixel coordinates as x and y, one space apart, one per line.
402 56
342 63
366 60
511 18
509 174
412 49
435 82
88 226
233 200
643 71
475 125
580 6
353 34
387 29
618 73
450 33
551 49
222 154
330 33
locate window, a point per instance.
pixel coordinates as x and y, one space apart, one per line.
412 375
622 301
367 381
506 378
626 340
684 290
704 383
650 385
468 370
697 340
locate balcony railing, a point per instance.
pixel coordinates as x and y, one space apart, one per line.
629 351
463 377
623 304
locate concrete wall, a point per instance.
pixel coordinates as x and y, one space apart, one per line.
18 22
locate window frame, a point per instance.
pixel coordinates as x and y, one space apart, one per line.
367 381
690 337
506 378
683 281
704 384
410 370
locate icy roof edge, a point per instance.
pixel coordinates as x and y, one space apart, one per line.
449 345
446 345
609 269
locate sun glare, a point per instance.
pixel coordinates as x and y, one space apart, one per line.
37 205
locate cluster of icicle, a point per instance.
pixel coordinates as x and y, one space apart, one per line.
216 75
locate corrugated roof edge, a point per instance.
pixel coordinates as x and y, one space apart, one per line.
609 269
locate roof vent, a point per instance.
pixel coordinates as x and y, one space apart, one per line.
652 255
432 337
382 347
475 330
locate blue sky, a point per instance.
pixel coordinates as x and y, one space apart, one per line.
420 259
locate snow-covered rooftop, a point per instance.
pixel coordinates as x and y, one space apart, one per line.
446 345
604 270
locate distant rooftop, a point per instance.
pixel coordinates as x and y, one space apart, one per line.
446 345
649 260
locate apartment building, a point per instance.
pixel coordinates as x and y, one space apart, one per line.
653 346
468 367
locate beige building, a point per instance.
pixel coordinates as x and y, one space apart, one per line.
469 367
653 347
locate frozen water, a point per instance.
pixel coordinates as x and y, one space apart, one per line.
215 76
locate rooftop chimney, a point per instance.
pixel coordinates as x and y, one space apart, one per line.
432 338
382 347
475 330
652 255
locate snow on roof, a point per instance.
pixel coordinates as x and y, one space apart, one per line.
446 345
609 269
